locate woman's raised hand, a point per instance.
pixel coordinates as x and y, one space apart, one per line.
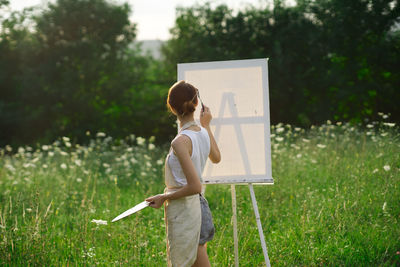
205 117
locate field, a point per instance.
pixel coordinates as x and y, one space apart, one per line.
336 201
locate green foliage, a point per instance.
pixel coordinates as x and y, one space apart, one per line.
78 71
313 47
335 201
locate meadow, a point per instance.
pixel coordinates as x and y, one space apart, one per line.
335 201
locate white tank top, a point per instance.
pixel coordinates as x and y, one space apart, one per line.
200 151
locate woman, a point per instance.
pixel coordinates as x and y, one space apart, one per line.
187 216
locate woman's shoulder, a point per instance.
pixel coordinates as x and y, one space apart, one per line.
181 140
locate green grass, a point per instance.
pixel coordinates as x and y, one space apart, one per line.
335 202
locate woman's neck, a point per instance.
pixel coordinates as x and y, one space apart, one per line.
185 119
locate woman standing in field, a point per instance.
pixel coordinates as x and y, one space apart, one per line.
188 218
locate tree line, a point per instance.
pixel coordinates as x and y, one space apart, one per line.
75 67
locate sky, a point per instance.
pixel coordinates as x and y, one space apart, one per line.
154 18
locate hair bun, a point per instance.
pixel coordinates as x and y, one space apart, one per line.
188 107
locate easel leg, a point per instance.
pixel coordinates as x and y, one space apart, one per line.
234 219
260 231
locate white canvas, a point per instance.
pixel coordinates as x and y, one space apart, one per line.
237 94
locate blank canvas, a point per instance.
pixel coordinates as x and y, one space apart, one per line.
237 94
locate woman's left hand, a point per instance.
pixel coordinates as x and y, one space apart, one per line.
156 201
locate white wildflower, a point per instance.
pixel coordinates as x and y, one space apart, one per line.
21 150
28 209
8 148
313 161
370 126
27 165
10 167
321 145
63 166
65 139
297 129
386 168
79 180
280 129
148 164
160 162
151 146
375 171
140 140
389 124
87 133
100 134
279 139
298 156
51 154
384 134
67 144
78 162
338 123
99 222
35 160
384 206
306 140
63 153
45 147
106 165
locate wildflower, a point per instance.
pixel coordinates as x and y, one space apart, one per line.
99 222
306 140
151 146
67 144
297 129
375 171
63 153
63 166
27 165
386 168
280 129
106 165
148 164
10 167
279 139
21 150
65 139
338 123
78 180
370 126
159 162
321 145
140 140
100 134
45 147
298 156
87 133
384 134
389 124
384 206
78 162
51 153
8 148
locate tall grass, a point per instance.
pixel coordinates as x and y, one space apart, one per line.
336 201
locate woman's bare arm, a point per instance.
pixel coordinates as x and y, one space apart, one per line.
181 147
205 119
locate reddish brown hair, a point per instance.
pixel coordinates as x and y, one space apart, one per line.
182 98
